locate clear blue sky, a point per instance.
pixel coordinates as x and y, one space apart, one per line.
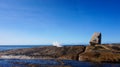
65 21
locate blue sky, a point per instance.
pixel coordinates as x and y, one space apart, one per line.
65 21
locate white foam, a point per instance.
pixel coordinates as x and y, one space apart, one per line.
57 44
15 57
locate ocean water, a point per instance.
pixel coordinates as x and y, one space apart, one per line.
9 47
46 63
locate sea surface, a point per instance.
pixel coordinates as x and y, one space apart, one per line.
46 63
9 47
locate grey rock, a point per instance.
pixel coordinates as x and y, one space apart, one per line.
96 39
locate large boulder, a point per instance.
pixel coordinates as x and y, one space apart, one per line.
96 39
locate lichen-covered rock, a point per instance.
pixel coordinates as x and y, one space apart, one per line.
96 39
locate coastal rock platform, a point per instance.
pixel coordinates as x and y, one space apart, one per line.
98 53
101 53
48 52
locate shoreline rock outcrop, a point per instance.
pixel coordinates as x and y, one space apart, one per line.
101 53
95 52
50 52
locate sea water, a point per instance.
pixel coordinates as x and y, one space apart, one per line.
9 47
47 62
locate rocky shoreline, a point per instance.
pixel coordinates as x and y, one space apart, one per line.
97 53
49 52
